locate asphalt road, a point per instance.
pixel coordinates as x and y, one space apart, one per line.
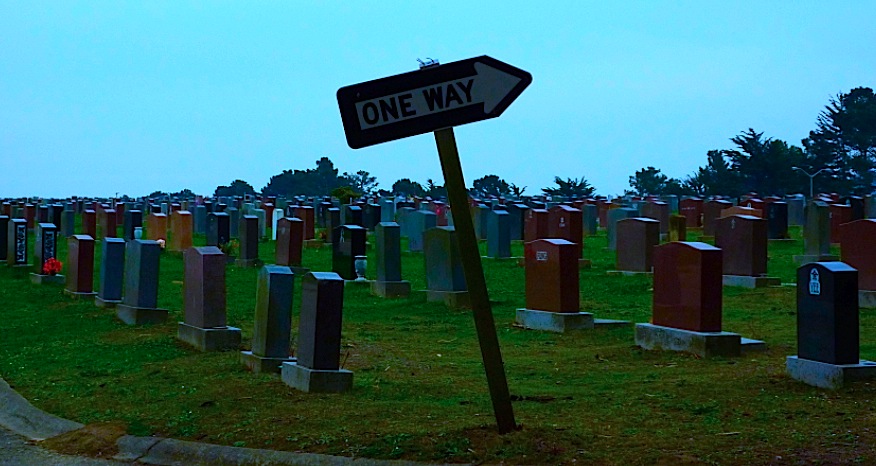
16 451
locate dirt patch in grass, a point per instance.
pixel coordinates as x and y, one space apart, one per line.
94 440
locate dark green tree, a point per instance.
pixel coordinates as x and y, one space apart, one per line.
765 165
317 181
434 190
490 185
648 181
361 181
570 188
406 187
845 142
237 188
717 177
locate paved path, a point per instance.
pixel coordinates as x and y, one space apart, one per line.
16 451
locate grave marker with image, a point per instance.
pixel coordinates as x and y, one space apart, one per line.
46 267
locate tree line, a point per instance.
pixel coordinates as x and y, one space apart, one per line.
843 145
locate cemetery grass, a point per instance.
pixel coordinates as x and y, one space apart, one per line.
419 387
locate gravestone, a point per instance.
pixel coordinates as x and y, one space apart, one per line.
218 228
262 223
741 210
45 248
636 239
290 242
307 214
133 218
180 230
112 273
828 328
200 218
677 228
389 283
106 224
387 210
612 217
499 235
89 223
205 326
80 266
856 205
777 220
371 216
743 239
816 235
711 213
687 303
233 222
537 225
140 303
156 227
353 215
796 210
30 215
567 223
859 251
332 225
692 210
350 245
318 367
591 216
418 222
272 329
68 223
277 215
248 255
516 220
4 237
481 221
658 211
445 280
55 216
839 214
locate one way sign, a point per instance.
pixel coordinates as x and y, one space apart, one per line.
423 101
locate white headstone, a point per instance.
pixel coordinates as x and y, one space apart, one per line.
278 214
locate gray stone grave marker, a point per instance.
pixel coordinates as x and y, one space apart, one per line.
272 329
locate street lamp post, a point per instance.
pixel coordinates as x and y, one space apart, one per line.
811 179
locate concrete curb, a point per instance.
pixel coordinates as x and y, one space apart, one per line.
21 417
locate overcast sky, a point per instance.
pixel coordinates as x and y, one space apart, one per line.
98 98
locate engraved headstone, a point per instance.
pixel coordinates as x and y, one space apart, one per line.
204 301
80 266
112 273
389 283
140 303
272 329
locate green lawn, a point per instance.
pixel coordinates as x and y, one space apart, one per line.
420 392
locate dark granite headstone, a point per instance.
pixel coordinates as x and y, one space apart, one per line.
332 225
80 265
249 241
418 222
353 215
856 203
112 272
4 237
743 239
272 329
688 282
55 215
636 239
388 237
218 228
200 215
46 245
204 287
68 223
552 276
89 223
290 240
350 245
140 303
133 219
481 221
516 220
777 220
591 218
499 234
827 313
658 211
319 328
443 261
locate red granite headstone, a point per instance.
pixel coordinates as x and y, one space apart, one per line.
692 209
536 224
741 210
839 214
567 223
552 276
306 213
80 264
106 224
659 211
688 282
711 213
859 250
89 223
743 238
290 240
156 226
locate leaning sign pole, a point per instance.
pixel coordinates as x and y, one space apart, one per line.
435 99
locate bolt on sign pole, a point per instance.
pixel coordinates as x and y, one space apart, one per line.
435 99
475 281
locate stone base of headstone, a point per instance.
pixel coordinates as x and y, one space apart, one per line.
258 364
314 243
553 321
315 380
781 240
744 281
140 315
831 376
807 258
509 258
628 273
747 345
247 262
703 344
357 282
79 295
452 299
400 289
106 303
867 299
41 279
209 339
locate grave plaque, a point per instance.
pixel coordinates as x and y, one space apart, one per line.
687 286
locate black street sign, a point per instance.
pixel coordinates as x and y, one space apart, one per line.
432 98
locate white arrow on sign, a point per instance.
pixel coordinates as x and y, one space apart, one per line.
488 86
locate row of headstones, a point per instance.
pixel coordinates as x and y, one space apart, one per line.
687 308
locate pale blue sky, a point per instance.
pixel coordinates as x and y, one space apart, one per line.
131 97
